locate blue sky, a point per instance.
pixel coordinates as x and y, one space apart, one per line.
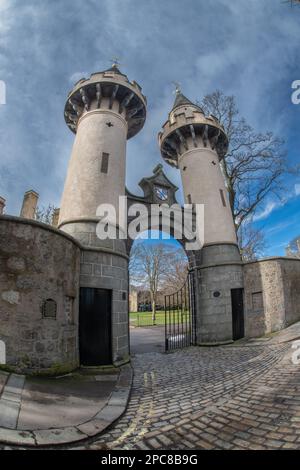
249 48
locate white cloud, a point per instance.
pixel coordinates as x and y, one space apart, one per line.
270 207
225 45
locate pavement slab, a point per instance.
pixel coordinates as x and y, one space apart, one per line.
3 379
36 411
10 401
53 403
58 436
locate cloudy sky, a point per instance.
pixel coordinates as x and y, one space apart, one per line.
249 48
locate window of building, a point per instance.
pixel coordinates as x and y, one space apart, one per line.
104 162
223 197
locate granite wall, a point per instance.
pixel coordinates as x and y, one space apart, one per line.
39 289
220 271
272 295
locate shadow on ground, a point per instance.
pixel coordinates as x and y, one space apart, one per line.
147 340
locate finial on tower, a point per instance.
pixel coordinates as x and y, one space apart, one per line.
177 90
115 62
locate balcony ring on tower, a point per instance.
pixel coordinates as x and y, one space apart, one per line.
88 94
187 122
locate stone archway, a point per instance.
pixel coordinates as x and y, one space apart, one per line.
159 190
151 187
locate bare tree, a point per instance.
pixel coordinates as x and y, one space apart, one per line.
293 2
45 214
251 241
293 248
253 167
177 276
151 266
255 162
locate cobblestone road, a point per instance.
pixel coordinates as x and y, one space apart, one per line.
217 398
237 397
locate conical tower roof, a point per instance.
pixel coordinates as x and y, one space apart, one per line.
181 100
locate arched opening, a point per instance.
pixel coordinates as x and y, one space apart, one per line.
158 266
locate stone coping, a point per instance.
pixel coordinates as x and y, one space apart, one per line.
114 408
273 258
42 225
104 250
220 243
243 263
215 265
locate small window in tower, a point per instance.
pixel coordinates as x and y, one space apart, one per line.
223 197
104 162
49 308
189 198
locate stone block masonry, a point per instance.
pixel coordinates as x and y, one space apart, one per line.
108 271
220 272
104 265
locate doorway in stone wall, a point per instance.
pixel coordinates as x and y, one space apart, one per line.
237 303
95 346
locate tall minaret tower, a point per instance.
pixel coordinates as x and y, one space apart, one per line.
103 111
195 144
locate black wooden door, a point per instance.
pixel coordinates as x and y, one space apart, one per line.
237 313
95 327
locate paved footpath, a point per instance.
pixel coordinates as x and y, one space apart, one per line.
234 397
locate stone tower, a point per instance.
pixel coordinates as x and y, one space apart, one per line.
195 143
103 111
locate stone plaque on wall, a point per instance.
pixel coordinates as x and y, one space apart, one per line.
257 301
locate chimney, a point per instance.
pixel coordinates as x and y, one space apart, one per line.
2 205
55 217
29 204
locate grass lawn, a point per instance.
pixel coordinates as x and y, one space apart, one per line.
145 318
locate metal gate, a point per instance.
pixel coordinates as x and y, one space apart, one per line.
180 318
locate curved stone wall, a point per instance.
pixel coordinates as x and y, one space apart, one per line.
39 289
